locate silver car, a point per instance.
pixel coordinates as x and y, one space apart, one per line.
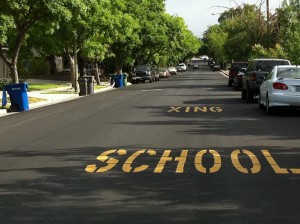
280 88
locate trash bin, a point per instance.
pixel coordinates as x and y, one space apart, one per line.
112 79
118 81
83 88
18 97
90 84
125 76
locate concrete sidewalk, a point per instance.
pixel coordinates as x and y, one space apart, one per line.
52 96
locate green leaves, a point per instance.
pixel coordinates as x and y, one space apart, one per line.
125 31
244 33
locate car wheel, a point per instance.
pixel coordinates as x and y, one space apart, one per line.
260 105
243 93
249 95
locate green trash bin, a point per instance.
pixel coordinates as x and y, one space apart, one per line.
125 76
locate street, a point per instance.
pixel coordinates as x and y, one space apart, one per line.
186 149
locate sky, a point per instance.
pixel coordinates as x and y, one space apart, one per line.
198 14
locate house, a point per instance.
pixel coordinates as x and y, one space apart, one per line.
4 71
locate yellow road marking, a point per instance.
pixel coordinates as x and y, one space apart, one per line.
130 164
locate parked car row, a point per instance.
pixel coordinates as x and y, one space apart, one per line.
275 82
151 73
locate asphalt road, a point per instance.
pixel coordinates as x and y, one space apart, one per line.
182 150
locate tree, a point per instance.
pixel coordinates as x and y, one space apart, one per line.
18 17
242 33
67 37
215 38
289 24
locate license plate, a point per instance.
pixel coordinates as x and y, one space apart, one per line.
297 89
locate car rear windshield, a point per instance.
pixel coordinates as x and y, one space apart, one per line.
267 66
142 67
238 66
293 73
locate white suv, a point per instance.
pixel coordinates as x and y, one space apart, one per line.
181 67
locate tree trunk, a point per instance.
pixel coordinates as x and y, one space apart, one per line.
72 71
119 66
12 65
97 75
14 73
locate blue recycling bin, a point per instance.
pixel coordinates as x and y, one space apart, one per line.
118 79
18 97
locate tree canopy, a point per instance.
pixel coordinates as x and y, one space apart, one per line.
244 32
125 32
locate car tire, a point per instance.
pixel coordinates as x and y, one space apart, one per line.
243 94
260 105
249 95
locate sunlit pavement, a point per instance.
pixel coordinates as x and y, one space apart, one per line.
48 97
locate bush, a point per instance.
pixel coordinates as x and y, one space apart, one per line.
33 67
2 83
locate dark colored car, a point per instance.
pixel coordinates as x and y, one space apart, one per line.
238 79
256 73
216 67
143 73
234 70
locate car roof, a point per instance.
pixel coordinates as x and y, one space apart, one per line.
287 66
269 59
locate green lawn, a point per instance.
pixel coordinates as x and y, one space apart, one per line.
44 86
30 100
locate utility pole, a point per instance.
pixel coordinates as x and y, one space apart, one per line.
268 11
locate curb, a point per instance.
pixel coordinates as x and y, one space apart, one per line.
51 99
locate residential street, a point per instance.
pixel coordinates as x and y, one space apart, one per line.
186 149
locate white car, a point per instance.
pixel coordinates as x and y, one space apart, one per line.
195 66
164 73
281 88
181 67
172 70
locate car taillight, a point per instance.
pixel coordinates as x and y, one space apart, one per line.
253 77
279 85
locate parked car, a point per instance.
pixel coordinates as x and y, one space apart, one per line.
216 67
181 67
255 74
172 70
234 70
238 79
143 73
164 73
281 88
196 66
211 64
